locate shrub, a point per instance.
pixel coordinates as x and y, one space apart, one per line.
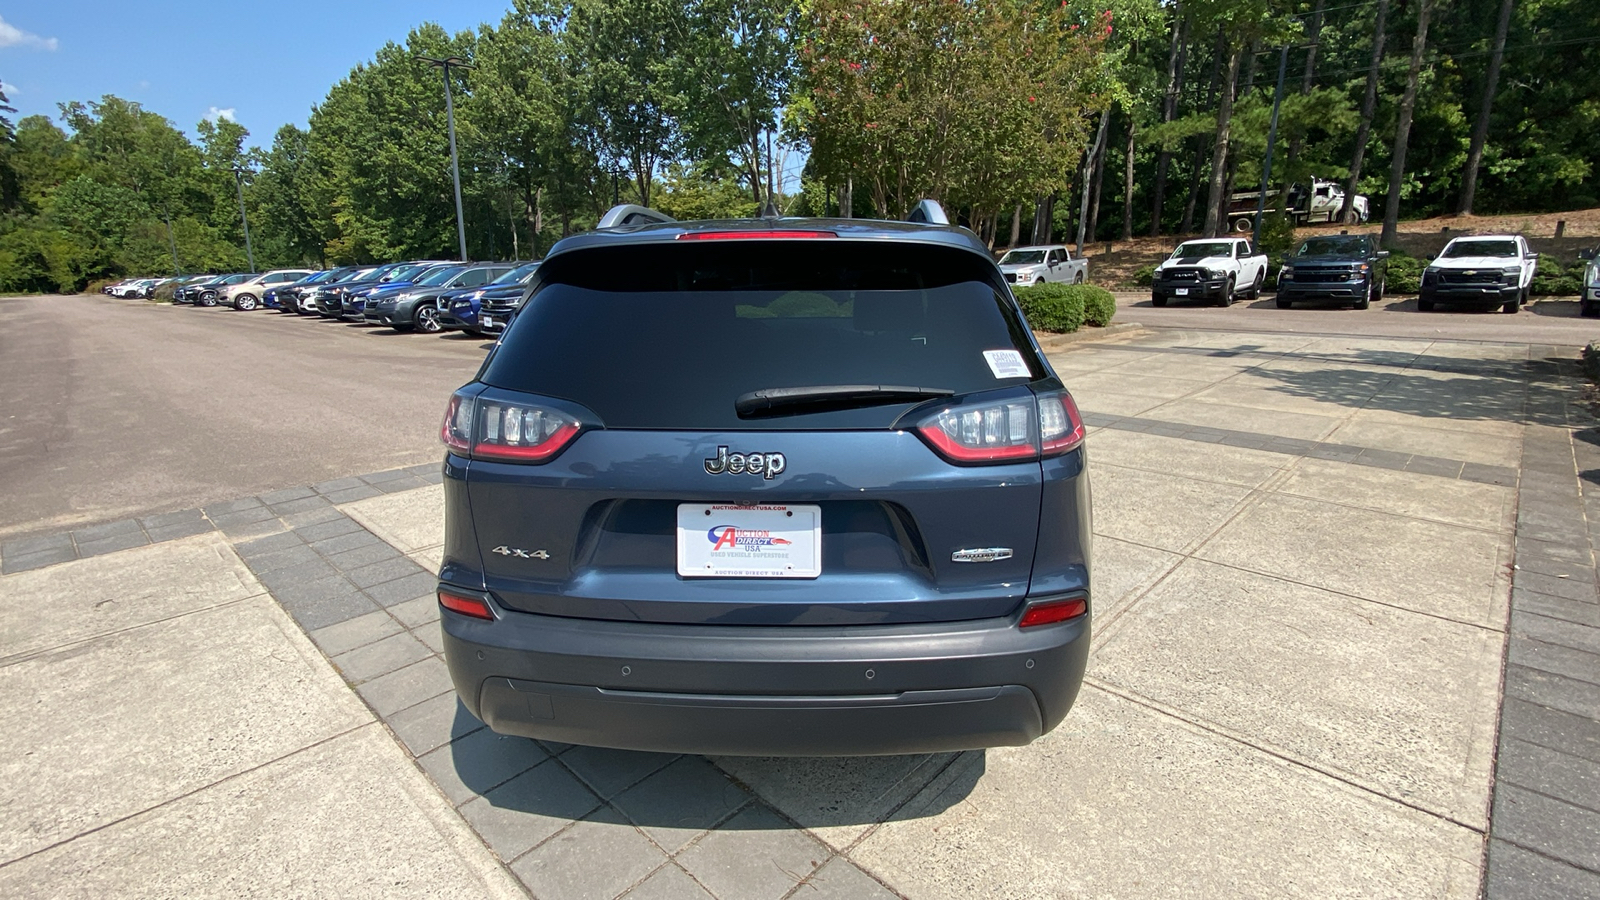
1404 273
1277 236
1098 304
1144 276
95 285
1552 279
1056 308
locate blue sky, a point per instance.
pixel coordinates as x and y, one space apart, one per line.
268 62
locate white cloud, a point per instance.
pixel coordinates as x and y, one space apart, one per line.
9 89
12 36
217 115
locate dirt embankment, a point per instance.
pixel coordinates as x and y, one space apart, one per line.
1113 264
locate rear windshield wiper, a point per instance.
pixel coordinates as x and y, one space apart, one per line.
819 398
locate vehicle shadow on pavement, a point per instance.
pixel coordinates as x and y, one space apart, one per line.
657 790
1445 307
1271 302
1555 309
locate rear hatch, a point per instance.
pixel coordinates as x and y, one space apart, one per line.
810 432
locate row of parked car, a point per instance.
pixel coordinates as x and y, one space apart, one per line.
426 295
1485 271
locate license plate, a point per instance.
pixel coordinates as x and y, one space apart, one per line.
1181 292
487 321
724 540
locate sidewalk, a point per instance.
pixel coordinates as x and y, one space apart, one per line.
168 730
1304 578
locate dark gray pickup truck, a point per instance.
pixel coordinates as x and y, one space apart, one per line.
1338 268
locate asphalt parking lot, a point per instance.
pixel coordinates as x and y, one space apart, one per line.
1345 639
115 407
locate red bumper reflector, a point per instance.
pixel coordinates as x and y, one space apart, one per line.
467 606
1054 611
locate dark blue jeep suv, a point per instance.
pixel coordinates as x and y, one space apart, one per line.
767 487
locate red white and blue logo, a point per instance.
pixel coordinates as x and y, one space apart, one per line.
727 537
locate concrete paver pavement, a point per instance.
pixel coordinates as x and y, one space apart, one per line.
169 731
1303 581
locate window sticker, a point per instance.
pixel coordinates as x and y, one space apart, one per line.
1006 364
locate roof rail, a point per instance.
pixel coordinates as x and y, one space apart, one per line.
632 214
928 212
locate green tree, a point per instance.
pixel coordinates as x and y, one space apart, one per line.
526 119
628 54
1240 24
702 193
43 160
287 223
736 70
382 173
222 149
977 104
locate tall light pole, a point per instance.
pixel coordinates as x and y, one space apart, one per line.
238 182
446 64
1266 167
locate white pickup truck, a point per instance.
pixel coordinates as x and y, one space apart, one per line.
1026 266
1482 270
1218 270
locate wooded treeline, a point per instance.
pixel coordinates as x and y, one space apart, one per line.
1031 121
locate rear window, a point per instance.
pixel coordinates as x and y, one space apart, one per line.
668 336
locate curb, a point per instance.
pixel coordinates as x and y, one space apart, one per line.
1049 342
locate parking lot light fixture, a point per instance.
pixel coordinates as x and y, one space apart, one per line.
446 64
238 182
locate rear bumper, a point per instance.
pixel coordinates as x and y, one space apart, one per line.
760 691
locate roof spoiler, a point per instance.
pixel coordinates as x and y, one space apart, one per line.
928 212
633 214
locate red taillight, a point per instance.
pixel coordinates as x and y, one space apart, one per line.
752 235
456 432
1052 611
1060 424
1005 431
467 606
510 432
998 432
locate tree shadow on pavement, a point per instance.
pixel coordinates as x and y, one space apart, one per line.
1460 388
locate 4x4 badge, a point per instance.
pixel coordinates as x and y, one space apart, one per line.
503 550
767 465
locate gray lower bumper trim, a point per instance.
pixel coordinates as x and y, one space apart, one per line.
911 722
